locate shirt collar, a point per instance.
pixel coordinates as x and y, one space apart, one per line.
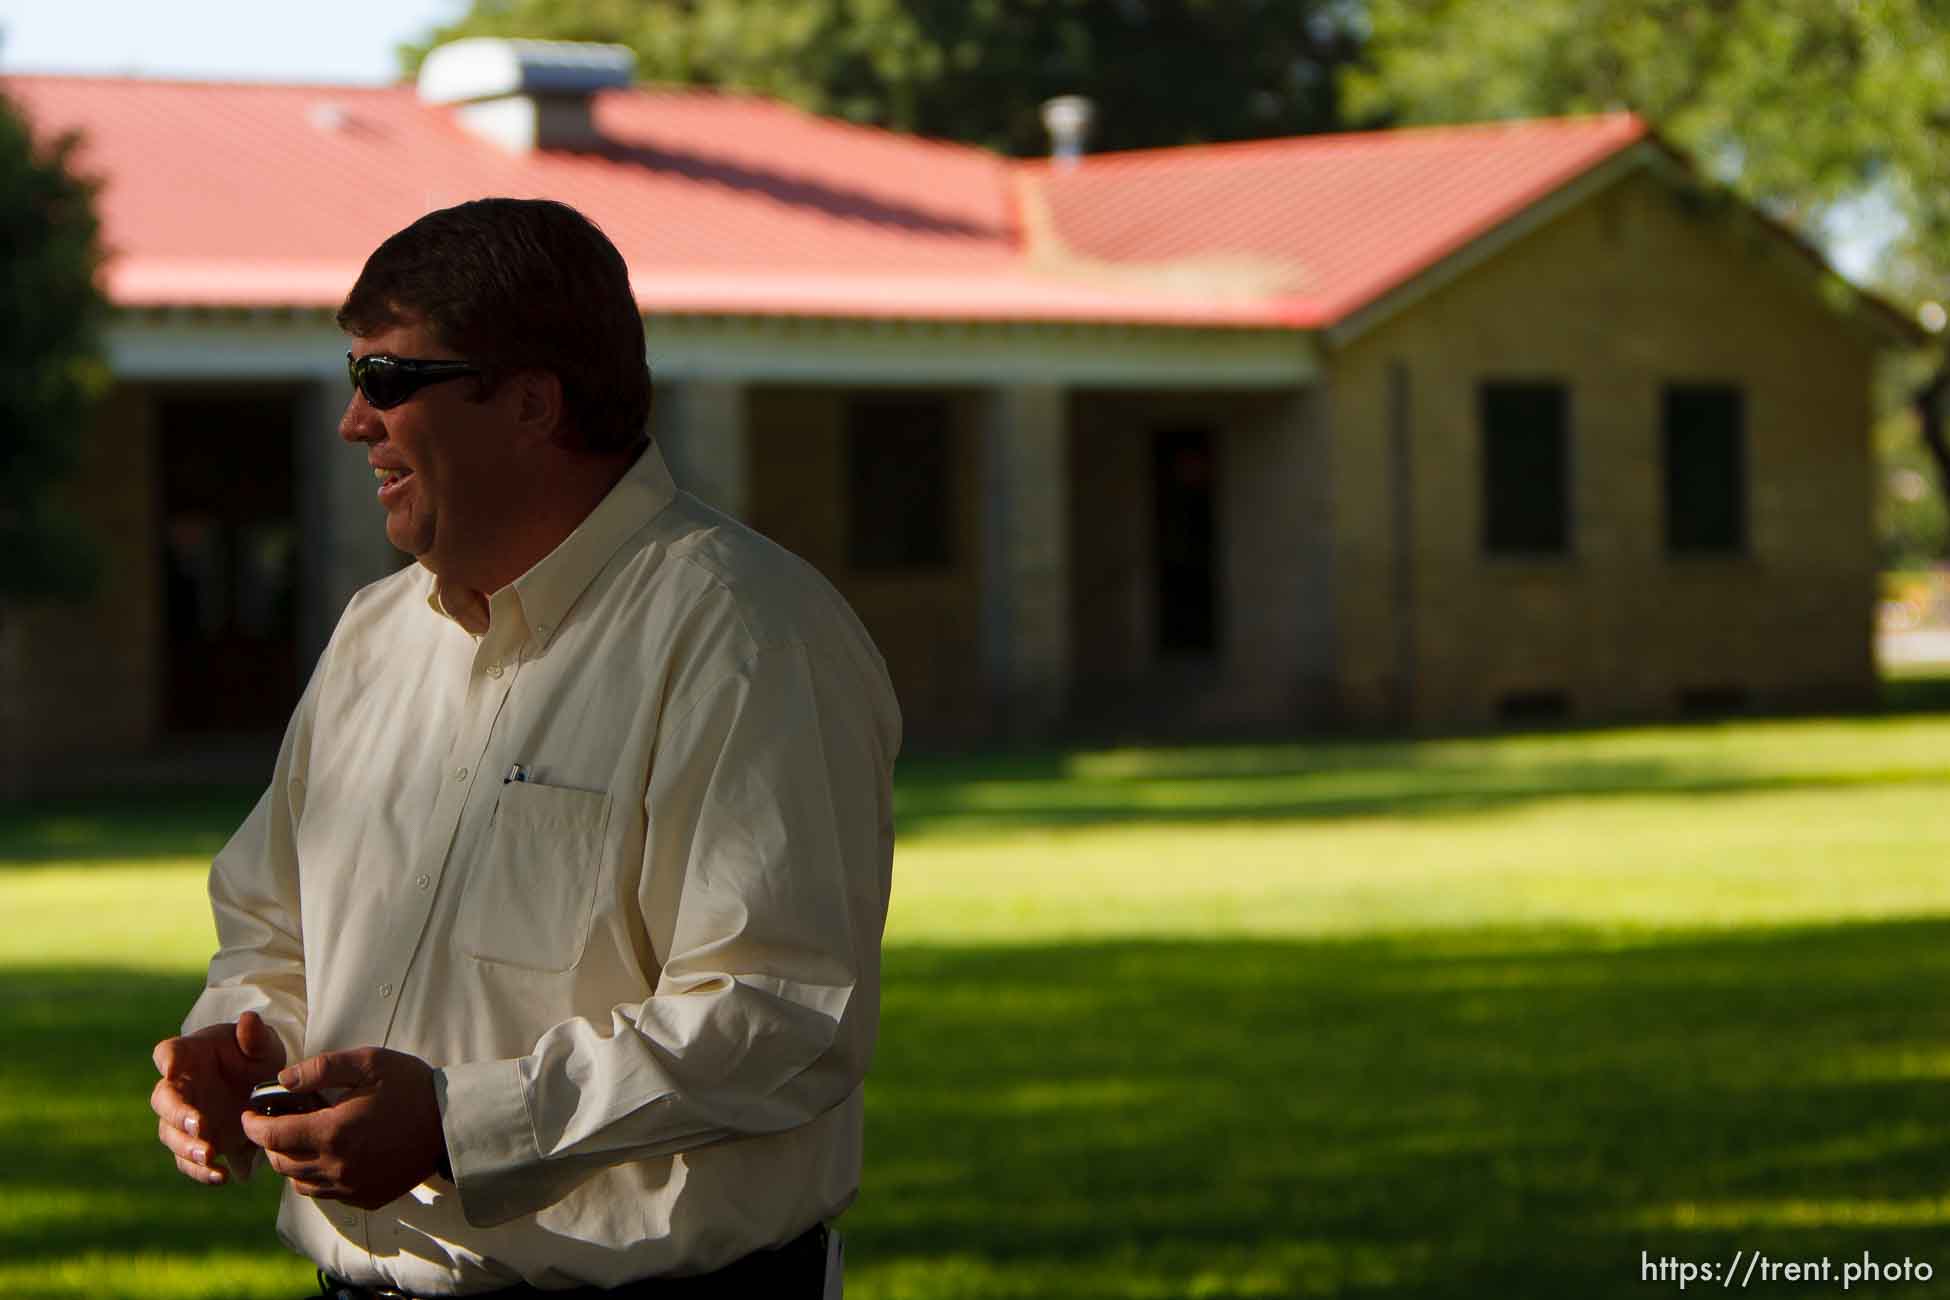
559 578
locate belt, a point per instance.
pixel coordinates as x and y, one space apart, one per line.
796 1268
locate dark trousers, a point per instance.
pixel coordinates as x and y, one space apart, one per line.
796 1269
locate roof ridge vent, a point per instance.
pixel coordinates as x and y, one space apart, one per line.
328 115
525 95
1068 119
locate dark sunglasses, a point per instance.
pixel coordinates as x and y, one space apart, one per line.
386 381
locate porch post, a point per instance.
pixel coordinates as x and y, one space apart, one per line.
700 424
1026 652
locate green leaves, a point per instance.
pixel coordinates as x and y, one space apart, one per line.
1162 71
1798 104
51 368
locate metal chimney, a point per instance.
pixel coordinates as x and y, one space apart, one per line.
1067 118
525 95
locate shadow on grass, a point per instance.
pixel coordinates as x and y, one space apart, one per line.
1339 778
1190 786
84 1172
1319 782
1917 692
109 829
1323 779
1465 1115
1460 1117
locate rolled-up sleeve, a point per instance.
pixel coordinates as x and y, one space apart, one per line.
764 885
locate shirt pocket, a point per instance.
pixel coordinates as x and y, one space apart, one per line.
528 900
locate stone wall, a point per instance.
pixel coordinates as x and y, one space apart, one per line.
1272 667
1640 287
926 623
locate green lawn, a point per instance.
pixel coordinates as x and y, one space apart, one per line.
1459 1018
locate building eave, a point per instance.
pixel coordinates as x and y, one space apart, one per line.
217 344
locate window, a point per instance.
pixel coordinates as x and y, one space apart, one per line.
1526 469
900 484
1706 470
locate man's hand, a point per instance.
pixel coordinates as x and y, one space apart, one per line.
207 1077
381 1139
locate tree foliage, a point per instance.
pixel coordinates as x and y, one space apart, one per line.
51 366
1800 105
1162 72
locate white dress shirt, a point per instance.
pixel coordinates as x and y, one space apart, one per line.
648 973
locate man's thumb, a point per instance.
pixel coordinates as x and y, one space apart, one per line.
255 1039
326 1070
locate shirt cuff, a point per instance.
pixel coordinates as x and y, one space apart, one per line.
490 1141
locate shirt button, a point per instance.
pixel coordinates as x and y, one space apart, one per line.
423 880
385 990
494 670
460 774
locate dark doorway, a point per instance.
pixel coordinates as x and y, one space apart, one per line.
1184 477
229 554
900 484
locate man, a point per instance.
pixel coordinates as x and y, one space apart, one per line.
568 888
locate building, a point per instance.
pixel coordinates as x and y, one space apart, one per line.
1417 429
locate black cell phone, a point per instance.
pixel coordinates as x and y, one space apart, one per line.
276 1099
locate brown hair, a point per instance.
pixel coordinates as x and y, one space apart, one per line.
520 284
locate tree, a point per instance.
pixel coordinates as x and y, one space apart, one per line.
1799 105
51 366
1806 107
1162 72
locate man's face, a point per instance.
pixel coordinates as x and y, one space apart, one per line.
442 465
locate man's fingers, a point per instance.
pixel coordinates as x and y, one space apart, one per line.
171 1108
163 1099
299 1169
173 1054
181 1144
329 1070
285 1135
209 1175
199 1174
195 1158
169 1054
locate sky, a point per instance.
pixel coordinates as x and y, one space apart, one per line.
344 41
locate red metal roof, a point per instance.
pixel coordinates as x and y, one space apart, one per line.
1326 223
272 195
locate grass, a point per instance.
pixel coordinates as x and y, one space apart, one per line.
1452 1018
